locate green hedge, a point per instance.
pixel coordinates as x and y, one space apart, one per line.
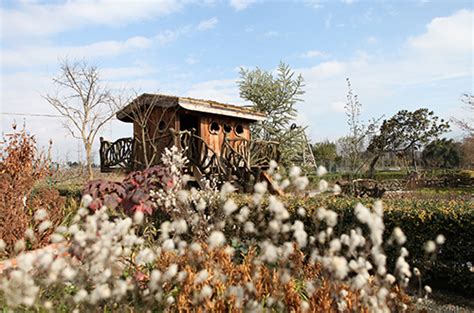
420 220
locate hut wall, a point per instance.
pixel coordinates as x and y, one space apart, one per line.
157 136
215 139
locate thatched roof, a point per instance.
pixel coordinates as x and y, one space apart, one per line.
190 104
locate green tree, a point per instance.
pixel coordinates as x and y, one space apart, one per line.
442 153
404 133
276 95
325 153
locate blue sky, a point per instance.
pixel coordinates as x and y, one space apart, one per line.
398 54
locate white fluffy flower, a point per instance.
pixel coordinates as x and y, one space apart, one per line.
339 266
206 292
41 214
30 234
301 212
260 187
269 252
323 185
249 227
226 189
430 246
168 245
44 226
440 239
180 226
138 217
230 207
201 277
295 171
216 239
19 245
86 200
399 236
201 205
145 256
80 296
170 272
301 183
321 171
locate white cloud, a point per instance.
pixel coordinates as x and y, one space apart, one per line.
33 19
240 5
191 60
37 54
328 21
168 36
126 73
271 33
451 34
225 90
418 76
371 40
316 4
208 24
314 54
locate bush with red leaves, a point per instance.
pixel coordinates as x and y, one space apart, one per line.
132 195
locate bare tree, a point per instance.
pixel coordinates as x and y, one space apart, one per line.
152 126
467 125
84 101
353 144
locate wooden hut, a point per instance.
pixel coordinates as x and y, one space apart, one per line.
214 136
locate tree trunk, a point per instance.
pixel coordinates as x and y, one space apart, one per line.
372 166
89 161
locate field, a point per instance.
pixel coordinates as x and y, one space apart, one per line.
144 241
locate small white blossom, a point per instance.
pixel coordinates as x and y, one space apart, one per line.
41 214
44 226
86 200
138 217
321 171
430 246
19 245
440 239
30 234
260 187
216 239
295 172
206 292
230 207
399 236
201 277
323 185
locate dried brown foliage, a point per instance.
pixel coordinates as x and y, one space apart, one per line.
21 166
267 284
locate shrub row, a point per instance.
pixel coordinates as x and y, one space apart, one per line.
421 221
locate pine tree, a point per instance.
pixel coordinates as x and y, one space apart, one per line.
276 95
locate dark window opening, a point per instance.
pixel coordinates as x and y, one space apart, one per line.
161 126
239 130
214 128
227 128
189 122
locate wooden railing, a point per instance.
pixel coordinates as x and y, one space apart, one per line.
116 155
240 159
